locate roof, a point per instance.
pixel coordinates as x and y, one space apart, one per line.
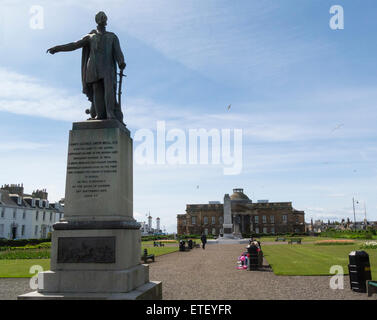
7 199
238 195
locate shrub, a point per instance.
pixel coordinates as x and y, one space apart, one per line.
21 242
25 254
369 245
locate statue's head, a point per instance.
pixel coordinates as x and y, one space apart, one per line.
101 18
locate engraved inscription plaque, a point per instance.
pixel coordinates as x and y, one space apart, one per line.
86 250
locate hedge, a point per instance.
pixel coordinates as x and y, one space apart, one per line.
21 242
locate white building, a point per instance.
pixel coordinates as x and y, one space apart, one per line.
24 216
147 228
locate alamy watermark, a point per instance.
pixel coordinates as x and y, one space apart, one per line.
192 147
337 281
36 281
36 21
337 19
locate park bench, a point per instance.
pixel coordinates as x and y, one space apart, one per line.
372 287
280 239
298 241
158 244
147 256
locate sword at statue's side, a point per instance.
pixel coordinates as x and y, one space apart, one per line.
121 75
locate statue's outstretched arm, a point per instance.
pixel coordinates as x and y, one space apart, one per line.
69 46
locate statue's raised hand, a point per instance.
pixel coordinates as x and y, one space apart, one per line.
52 50
122 65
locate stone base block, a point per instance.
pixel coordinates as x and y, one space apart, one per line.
149 291
93 280
105 249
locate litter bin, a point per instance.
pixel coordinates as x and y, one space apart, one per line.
359 271
253 257
182 246
189 244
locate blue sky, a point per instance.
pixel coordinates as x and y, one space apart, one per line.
303 94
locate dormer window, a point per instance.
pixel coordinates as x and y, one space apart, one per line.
40 203
19 200
33 202
47 204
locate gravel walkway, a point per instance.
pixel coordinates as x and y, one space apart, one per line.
212 274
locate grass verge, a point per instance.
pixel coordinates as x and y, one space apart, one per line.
312 260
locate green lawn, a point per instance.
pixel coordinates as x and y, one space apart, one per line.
159 251
312 260
19 268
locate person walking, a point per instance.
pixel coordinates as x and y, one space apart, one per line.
203 238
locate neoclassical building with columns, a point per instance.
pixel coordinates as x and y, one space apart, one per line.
240 215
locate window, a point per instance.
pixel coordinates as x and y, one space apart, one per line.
193 220
23 230
221 220
256 219
213 230
206 231
3 212
36 230
1 230
272 230
14 214
285 218
37 215
213 220
272 219
264 219
50 216
265 230
205 220
184 222
257 230
24 215
44 216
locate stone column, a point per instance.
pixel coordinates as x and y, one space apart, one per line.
237 222
227 225
96 249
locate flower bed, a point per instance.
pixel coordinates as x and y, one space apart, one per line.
333 242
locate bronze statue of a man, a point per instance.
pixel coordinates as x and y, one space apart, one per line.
101 51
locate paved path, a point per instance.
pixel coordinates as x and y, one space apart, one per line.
212 274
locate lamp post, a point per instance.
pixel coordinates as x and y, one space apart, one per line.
354 213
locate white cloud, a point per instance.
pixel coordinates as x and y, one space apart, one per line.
22 94
6 146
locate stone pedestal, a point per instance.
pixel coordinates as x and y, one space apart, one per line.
96 248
